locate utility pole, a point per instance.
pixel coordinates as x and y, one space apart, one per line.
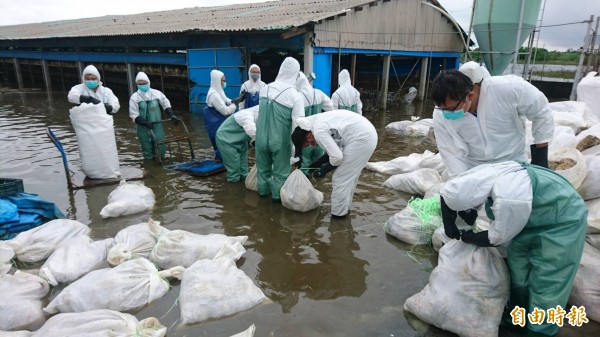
592 45
578 73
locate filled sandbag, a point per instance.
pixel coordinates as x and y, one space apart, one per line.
128 286
569 113
590 187
216 288
74 258
96 141
416 183
399 126
100 323
21 301
586 288
419 128
570 164
563 137
416 223
298 193
469 280
6 256
183 248
38 243
593 219
588 139
252 179
587 92
135 241
128 198
399 165
21 333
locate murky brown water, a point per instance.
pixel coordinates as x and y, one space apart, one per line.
325 277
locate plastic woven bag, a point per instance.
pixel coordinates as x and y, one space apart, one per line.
21 304
298 193
135 241
128 198
416 223
252 179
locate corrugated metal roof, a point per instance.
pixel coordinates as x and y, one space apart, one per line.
273 15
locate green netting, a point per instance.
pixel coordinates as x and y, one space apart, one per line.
425 209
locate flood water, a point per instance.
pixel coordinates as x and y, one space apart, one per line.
323 276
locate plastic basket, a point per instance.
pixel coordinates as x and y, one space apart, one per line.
10 186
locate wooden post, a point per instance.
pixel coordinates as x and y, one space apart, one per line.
308 53
353 70
385 79
423 79
18 74
46 73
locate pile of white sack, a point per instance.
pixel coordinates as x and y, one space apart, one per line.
104 278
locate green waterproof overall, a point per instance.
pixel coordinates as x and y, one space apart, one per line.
150 110
273 146
311 153
343 106
232 142
544 257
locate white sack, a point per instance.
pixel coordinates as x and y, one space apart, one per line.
128 286
6 256
135 241
588 138
216 288
586 288
128 198
419 128
590 187
593 219
298 193
246 333
568 113
399 165
22 333
38 243
575 174
75 258
21 301
100 323
252 179
406 226
563 137
433 190
399 126
433 161
182 248
416 182
466 291
96 140
587 92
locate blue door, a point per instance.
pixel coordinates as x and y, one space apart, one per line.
231 61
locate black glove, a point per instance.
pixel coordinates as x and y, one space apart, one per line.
88 99
325 168
240 98
449 220
144 122
108 108
469 216
298 164
172 116
317 164
539 155
480 239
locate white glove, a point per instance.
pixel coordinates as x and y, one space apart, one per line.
294 160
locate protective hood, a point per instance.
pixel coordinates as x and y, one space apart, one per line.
305 123
250 72
215 83
90 70
303 86
141 76
344 78
474 71
288 72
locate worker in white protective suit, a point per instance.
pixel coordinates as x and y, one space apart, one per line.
233 138
480 119
346 97
315 101
218 107
348 140
251 88
280 106
144 110
541 219
91 90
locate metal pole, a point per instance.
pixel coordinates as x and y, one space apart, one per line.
592 45
518 39
385 79
578 73
470 28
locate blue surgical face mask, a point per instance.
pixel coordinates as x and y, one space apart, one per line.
143 87
254 77
224 85
453 115
93 84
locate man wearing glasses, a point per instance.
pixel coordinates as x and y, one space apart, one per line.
480 119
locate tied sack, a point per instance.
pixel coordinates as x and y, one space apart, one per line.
128 286
96 140
466 292
298 193
127 199
135 241
100 323
21 304
252 180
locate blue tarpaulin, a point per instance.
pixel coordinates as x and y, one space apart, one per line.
24 211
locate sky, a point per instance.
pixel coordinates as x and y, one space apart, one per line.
554 34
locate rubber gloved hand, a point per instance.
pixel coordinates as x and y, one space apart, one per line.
88 99
469 216
325 168
240 98
449 220
144 122
108 108
172 116
539 155
480 239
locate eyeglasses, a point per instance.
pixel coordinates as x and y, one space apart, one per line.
455 107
